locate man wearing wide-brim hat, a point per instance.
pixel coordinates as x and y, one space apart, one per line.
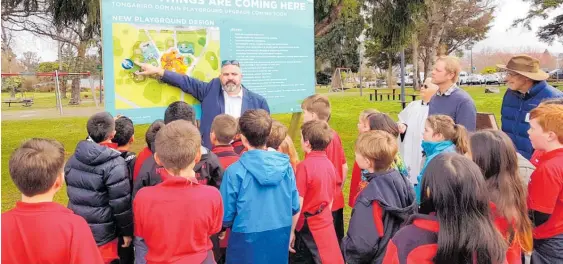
527 87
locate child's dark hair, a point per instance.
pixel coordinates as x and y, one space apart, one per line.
100 126
36 164
445 125
124 131
225 128
179 111
150 135
318 133
255 126
494 153
454 186
277 135
383 122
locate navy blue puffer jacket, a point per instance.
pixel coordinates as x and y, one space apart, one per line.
514 112
98 189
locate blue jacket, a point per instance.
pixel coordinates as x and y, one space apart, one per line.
431 149
260 197
514 112
212 101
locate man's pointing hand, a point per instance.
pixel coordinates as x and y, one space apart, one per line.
149 69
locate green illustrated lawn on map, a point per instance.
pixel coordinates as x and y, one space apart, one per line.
346 108
194 52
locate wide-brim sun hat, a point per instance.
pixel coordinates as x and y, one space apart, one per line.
526 66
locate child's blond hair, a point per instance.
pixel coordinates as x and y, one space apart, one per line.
288 148
379 147
364 114
445 125
317 104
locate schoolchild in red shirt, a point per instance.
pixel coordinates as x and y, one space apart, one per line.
545 190
223 130
454 224
315 237
177 217
383 205
363 126
38 230
494 153
535 159
317 107
237 142
147 152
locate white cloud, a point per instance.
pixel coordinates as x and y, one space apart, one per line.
503 36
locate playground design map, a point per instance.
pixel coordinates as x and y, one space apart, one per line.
190 50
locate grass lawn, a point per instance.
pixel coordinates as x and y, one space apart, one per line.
46 100
346 108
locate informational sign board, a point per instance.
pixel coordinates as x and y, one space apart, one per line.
273 40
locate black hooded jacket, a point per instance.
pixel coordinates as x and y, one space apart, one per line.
208 171
371 227
99 190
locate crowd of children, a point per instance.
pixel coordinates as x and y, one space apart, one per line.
250 199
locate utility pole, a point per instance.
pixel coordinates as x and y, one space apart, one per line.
403 103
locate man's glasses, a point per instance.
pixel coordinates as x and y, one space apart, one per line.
230 62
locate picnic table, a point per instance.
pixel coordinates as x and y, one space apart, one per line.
24 101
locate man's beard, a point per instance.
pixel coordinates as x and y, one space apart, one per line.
230 87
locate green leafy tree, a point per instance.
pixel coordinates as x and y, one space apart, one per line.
542 9
391 24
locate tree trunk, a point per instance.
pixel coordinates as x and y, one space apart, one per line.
390 83
62 81
415 76
75 91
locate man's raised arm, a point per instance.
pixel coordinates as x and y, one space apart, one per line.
196 88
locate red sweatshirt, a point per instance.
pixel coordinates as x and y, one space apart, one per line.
227 156
143 155
46 233
176 219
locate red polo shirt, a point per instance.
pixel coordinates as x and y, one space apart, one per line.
176 219
226 155
316 183
335 153
46 233
545 193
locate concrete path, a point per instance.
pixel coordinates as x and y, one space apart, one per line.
50 113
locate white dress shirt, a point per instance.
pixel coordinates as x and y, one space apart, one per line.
233 104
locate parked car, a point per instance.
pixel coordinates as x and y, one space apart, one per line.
408 80
492 79
475 79
462 78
